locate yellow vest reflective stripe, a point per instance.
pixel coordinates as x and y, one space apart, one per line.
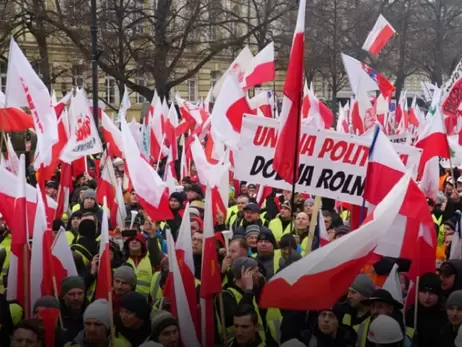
238 296
274 320
79 249
4 270
276 259
70 237
91 292
347 321
345 215
363 330
231 341
143 275
6 242
75 208
231 212
276 228
98 239
16 313
156 290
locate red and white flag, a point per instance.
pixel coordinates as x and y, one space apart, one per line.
24 88
84 137
65 189
14 119
185 320
261 69
104 280
379 36
307 283
112 136
149 187
228 112
41 266
125 105
63 260
285 162
18 281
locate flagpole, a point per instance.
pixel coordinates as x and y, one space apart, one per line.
371 149
416 304
94 59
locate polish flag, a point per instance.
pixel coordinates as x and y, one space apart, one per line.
112 135
14 119
185 319
171 122
65 189
185 162
239 66
379 36
13 160
18 281
41 268
385 86
63 260
104 279
262 104
284 163
156 126
60 105
262 193
414 222
186 265
357 76
63 134
220 186
433 141
110 189
323 235
261 69
228 112
149 187
211 274
24 88
316 113
84 138
342 122
9 194
307 283
125 105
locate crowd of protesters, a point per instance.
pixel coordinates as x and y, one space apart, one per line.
266 239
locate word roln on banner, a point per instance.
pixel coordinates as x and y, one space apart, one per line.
332 164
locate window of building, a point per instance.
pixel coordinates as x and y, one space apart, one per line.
192 89
141 81
78 77
134 18
214 78
110 90
3 73
37 68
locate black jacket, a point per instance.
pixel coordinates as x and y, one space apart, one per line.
447 336
429 323
73 322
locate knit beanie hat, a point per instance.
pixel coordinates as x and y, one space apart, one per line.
252 230
161 320
47 302
72 282
100 311
127 274
336 310
455 299
430 282
179 196
136 302
266 234
288 240
89 194
292 343
242 263
364 285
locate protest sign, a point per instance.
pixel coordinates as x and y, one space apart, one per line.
332 164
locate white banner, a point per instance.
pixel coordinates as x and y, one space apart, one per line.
332 164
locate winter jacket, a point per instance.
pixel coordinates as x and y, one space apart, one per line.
429 323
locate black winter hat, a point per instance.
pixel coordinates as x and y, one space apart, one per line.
266 234
196 189
430 282
179 196
288 240
135 302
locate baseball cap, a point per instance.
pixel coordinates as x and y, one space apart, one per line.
447 270
252 207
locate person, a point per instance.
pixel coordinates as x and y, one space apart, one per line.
356 311
449 331
197 241
236 212
46 303
451 276
302 225
245 324
72 305
282 224
165 330
28 333
251 216
194 193
97 328
431 316
385 332
89 204
51 189
251 236
237 248
124 282
288 247
267 253
132 322
176 204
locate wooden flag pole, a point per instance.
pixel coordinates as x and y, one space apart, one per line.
416 302
313 223
111 317
26 281
222 318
